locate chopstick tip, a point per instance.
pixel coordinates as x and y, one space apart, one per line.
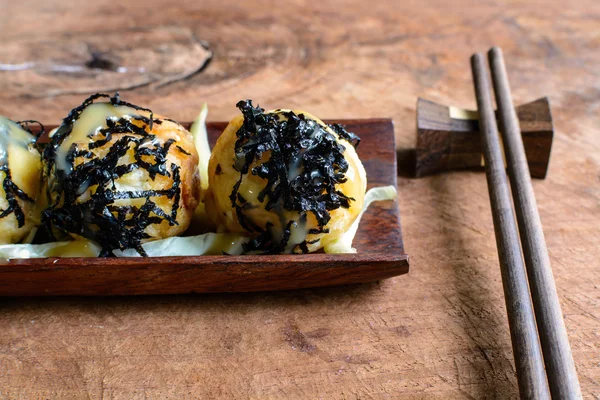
495 52
477 61
476 56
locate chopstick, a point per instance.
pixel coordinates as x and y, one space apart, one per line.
560 368
526 347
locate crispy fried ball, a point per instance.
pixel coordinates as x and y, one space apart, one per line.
119 175
281 219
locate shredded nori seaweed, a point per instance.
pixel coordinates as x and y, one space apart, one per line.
98 218
25 125
344 134
11 190
305 164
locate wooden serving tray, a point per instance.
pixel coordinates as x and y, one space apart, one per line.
378 242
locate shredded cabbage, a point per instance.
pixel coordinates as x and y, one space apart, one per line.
78 248
198 131
201 222
344 243
205 244
199 245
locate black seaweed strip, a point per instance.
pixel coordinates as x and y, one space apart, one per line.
344 134
12 193
303 247
25 125
181 149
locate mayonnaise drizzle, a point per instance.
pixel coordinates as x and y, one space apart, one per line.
12 134
91 120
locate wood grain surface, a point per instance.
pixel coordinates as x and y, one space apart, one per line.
440 331
378 241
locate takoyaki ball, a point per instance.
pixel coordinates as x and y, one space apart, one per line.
286 179
20 178
119 175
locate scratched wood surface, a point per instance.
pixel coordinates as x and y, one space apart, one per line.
438 332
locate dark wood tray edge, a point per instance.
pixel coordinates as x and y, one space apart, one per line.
213 274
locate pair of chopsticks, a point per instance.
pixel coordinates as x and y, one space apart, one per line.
559 377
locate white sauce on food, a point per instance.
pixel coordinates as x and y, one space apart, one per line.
91 120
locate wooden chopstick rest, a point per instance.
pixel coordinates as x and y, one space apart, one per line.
448 137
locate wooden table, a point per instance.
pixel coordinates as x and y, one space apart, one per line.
438 332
